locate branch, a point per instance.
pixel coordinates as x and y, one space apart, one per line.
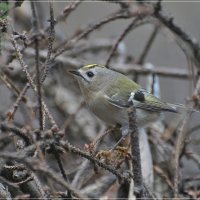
180 143
121 37
194 47
66 45
22 155
135 152
140 190
65 13
37 64
50 44
69 148
29 78
148 46
162 71
19 132
125 68
54 176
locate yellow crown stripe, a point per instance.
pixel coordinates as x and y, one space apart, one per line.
92 66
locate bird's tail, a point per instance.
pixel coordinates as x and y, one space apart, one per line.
182 109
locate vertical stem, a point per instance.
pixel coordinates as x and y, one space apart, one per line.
135 151
180 144
37 60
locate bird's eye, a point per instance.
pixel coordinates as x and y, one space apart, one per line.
90 74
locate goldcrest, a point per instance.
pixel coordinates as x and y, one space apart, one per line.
108 93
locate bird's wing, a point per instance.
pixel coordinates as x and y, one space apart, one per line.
116 102
119 96
144 100
141 99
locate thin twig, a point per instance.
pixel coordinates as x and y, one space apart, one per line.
29 78
193 155
9 83
21 61
163 175
148 46
19 132
122 36
125 68
178 151
54 176
79 178
50 44
69 148
39 186
66 12
13 109
91 27
94 191
37 64
169 23
57 157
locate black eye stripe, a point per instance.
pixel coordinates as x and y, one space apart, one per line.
90 74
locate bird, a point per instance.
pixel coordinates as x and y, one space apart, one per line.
108 94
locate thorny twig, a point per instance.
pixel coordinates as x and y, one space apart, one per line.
21 61
68 147
30 79
60 18
37 64
21 133
79 178
39 186
50 45
58 159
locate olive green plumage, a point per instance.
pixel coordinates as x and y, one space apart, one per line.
109 93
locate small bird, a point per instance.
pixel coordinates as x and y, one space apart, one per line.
108 94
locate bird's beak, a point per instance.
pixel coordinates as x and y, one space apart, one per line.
75 72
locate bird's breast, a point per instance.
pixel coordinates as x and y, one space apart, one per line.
107 112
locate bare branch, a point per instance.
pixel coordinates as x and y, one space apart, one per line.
37 64
122 36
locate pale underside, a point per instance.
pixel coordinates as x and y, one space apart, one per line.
113 114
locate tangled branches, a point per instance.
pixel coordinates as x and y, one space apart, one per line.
44 124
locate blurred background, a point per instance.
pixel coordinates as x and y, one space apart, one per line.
63 98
